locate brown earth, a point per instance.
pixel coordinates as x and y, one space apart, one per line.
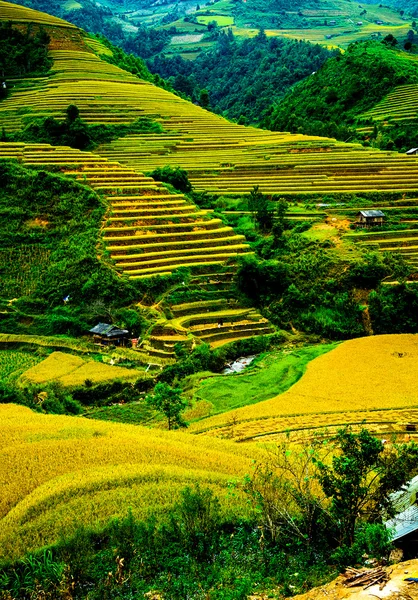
395 589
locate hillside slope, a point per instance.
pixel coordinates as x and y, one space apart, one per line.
371 83
362 381
89 481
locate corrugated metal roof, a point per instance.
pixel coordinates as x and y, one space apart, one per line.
412 151
404 523
108 330
372 213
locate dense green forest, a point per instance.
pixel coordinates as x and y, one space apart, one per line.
22 53
330 101
242 76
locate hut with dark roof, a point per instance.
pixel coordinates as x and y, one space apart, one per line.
370 218
105 335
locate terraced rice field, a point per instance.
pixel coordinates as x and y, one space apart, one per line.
221 157
148 232
22 14
403 241
399 105
71 370
232 159
367 380
58 473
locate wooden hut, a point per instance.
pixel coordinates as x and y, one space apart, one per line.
105 335
370 218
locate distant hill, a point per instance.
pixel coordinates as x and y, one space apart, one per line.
339 98
242 76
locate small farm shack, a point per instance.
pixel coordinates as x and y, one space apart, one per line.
370 218
412 151
404 526
105 335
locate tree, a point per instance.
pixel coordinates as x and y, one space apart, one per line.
177 177
279 226
361 479
204 98
329 495
72 113
390 40
261 208
168 400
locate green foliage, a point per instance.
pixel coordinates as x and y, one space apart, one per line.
22 53
198 550
242 76
394 309
177 177
35 574
328 102
371 539
168 400
196 520
343 518
361 479
76 133
261 209
61 220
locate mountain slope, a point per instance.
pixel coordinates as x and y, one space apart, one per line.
348 90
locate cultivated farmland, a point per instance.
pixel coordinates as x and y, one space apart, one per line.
150 231
43 498
71 370
366 380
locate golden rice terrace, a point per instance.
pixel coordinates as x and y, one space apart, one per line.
150 231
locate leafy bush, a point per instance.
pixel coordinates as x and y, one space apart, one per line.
177 177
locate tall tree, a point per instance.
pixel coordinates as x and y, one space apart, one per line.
168 400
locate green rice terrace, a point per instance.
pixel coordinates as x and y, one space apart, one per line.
399 105
150 230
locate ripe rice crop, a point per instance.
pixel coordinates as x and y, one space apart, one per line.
72 370
56 365
58 473
377 372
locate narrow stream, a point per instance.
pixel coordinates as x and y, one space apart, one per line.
238 365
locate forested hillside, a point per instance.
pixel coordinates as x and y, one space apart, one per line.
331 101
242 76
22 53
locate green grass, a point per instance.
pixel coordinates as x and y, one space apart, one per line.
268 376
134 413
221 20
14 362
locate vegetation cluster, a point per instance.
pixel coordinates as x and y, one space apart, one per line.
311 511
76 133
242 76
331 101
22 53
300 282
